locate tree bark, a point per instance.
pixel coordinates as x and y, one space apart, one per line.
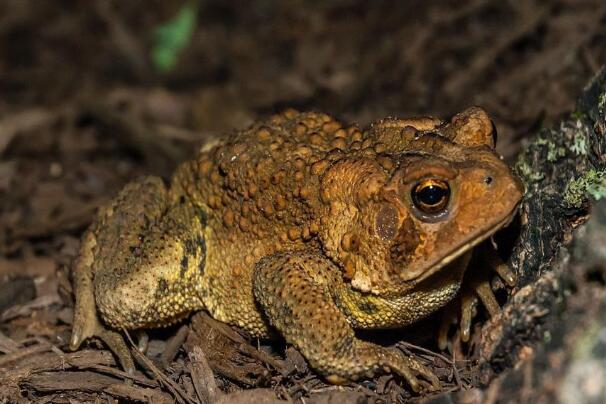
564 169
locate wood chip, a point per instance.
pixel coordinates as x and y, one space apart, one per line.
203 377
88 381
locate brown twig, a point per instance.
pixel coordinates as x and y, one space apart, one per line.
173 387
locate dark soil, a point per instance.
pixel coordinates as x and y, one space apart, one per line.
83 109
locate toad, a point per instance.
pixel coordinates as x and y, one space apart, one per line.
306 228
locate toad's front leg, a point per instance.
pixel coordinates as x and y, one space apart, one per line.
139 265
294 291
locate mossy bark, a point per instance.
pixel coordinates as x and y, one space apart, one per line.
563 169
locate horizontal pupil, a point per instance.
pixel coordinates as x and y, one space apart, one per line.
432 195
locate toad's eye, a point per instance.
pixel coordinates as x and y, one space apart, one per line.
431 196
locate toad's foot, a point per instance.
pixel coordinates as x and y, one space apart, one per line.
139 266
476 286
294 291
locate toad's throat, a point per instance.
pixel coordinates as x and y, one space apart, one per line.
462 248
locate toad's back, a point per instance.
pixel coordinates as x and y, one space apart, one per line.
260 191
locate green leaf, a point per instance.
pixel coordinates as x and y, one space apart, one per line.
172 37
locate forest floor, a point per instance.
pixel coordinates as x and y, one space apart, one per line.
88 102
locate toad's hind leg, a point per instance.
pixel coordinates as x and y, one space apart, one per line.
86 322
140 265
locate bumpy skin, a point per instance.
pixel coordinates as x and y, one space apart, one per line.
303 226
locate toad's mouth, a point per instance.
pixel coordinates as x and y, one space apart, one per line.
461 249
